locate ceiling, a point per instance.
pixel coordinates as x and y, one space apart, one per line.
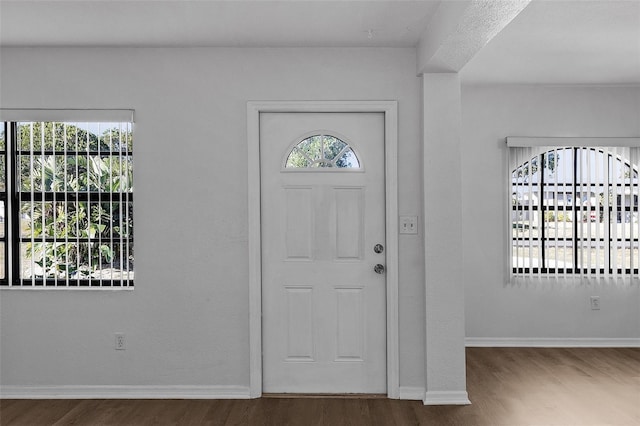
550 41
231 23
564 42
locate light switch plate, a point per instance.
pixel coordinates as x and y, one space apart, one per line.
408 224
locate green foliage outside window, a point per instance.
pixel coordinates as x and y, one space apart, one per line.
66 159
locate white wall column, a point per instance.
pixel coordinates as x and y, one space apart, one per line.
445 349
456 32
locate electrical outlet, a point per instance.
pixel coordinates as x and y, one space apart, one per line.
595 303
120 342
408 224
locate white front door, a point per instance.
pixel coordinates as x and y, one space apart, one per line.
322 212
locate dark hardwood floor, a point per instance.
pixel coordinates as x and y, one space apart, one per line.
507 386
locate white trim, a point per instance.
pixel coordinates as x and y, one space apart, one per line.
124 392
535 342
412 393
524 141
255 256
390 110
446 398
82 115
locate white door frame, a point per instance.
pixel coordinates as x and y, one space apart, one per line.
390 110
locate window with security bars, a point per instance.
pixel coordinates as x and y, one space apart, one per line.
67 198
574 210
3 205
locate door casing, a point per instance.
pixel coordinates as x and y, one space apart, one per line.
390 110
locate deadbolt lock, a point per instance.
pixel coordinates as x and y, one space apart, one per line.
378 248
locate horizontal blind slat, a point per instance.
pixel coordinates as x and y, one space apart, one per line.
525 141
67 115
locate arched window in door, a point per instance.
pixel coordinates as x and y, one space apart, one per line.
322 151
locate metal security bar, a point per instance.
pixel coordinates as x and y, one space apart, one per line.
71 204
574 211
4 261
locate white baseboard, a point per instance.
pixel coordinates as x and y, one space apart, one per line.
124 392
191 392
412 393
552 342
446 398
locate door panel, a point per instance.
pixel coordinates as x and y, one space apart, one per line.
324 307
300 315
350 328
299 227
349 221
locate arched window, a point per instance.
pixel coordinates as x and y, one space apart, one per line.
322 151
574 210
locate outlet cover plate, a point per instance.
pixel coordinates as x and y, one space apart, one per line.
120 342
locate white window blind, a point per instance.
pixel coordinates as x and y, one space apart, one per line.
573 207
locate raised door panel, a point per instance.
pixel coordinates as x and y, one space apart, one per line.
349 223
350 330
299 323
299 223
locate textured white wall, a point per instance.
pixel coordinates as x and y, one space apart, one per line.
186 322
444 301
493 308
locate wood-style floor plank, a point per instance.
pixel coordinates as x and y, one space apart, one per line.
507 387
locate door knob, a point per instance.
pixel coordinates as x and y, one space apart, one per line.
379 269
378 248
